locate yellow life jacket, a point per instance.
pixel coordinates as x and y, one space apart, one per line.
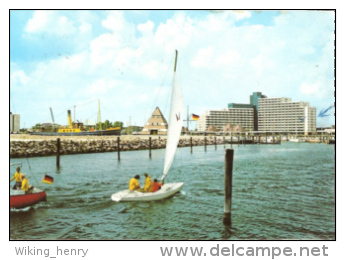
25 184
148 184
134 184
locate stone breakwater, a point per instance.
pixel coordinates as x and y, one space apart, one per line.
31 148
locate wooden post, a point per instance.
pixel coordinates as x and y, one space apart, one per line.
150 146
229 158
118 148
231 139
224 141
205 143
215 142
58 153
191 145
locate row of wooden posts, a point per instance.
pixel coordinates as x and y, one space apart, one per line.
150 147
229 157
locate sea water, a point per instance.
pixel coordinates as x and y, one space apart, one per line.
279 192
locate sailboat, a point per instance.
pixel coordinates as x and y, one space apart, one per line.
173 137
19 199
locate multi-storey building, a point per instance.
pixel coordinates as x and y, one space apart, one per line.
281 115
14 122
243 116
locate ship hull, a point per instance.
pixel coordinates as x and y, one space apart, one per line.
88 133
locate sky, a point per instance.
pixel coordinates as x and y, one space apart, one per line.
69 59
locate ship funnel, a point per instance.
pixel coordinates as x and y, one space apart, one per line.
69 118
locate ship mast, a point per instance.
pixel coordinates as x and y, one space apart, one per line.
99 115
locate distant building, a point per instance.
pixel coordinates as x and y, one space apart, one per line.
235 115
156 124
276 115
281 115
244 115
14 123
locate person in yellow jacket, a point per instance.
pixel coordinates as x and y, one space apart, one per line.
25 185
134 183
148 183
18 177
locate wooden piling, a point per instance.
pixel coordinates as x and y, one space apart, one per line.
118 148
205 143
231 140
229 157
58 152
191 145
150 142
224 141
215 142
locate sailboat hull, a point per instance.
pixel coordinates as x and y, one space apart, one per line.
19 200
166 191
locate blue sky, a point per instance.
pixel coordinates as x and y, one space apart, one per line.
72 59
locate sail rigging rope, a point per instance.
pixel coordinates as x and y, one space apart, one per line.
31 174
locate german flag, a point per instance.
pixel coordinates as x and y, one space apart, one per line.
195 117
48 179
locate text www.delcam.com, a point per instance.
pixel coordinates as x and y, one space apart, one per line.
244 251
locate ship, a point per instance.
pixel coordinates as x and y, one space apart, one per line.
78 129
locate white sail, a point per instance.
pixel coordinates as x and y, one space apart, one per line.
175 123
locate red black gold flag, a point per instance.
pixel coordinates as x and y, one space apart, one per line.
195 117
48 179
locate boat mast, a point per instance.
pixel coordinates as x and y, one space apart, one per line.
187 119
51 113
99 115
175 60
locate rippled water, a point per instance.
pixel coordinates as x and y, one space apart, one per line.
279 192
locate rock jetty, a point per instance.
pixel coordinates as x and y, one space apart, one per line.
22 146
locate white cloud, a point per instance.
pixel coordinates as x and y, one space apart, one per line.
239 15
146 28
50 22
115 21
38 22
85 27
230 57
203 57
19 77
309 89
99 87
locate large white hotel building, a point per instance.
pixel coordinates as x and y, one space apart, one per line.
281 115
276 115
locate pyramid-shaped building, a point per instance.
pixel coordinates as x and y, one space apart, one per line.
156 124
